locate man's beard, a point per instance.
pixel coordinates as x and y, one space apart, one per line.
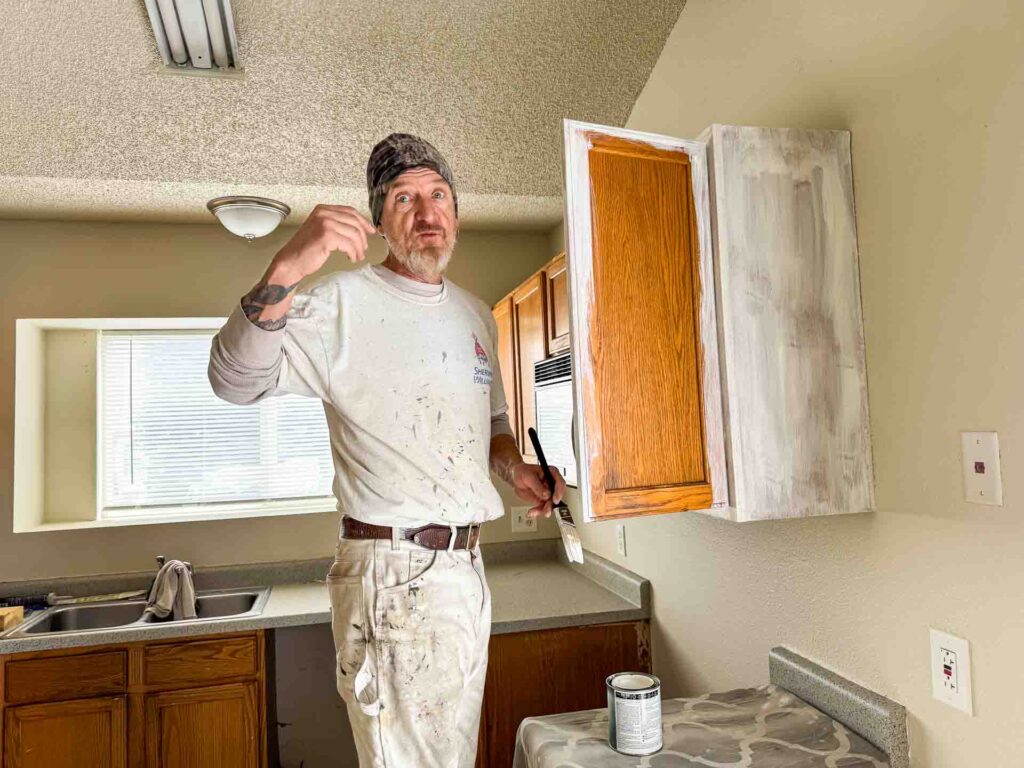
425 263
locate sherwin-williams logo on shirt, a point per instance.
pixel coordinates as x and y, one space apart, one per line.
482 372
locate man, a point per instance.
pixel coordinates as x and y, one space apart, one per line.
405 362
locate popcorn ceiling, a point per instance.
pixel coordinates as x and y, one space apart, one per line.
85 105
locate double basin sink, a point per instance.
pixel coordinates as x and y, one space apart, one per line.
210 604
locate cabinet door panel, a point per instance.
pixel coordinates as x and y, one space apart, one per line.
649 408
204 726
557 277
531 346
88 733
541 673
507 358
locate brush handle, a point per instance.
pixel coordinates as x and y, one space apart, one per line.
543 462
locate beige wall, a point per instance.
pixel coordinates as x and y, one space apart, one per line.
933 93
75 269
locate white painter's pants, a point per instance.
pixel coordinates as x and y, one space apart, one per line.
411 627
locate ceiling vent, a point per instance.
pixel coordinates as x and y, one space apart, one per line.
195 35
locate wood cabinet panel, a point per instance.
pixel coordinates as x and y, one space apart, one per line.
87 733
215 726
65 677
531 339
645 354
502 312
550 671
556 276
201 661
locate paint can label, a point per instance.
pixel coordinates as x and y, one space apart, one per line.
634 713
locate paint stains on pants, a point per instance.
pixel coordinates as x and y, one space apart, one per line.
411 627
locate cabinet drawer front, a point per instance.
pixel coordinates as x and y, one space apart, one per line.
66 677
200 662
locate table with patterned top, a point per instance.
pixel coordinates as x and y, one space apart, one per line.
765 727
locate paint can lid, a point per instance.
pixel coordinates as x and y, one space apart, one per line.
632 681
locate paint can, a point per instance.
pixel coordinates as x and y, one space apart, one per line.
634 713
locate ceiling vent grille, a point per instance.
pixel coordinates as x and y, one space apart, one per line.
195 35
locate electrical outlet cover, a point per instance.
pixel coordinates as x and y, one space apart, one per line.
520 522
983 481
951 670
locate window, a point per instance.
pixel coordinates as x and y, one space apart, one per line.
167 441
116 424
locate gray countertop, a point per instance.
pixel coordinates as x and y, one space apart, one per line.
532 588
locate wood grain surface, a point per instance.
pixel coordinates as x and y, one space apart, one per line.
213 726
531 346
502 312
557 276
644 330
549 671
71 677
86 733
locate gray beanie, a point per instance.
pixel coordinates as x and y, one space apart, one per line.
395 155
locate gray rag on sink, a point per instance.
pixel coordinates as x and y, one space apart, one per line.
172 591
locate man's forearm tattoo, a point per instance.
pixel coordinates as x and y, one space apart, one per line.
261 297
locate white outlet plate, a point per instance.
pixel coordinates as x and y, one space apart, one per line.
620 539
951 670
520 522
983 480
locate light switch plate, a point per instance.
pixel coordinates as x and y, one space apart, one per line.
520 522
951 670
620 539
983 480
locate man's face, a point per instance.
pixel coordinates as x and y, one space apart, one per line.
419 222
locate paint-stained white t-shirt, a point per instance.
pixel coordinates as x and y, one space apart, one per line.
410 385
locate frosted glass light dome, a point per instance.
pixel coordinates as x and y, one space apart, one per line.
248 217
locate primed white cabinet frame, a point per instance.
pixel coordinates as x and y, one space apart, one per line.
784 378
792 335
581 299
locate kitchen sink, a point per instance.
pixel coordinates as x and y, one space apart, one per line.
210 604
78 617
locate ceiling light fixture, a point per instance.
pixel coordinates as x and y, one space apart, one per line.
248 217
195 36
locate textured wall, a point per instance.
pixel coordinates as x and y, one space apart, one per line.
61 269
87 111
933 93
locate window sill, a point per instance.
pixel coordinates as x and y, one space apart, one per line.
181 517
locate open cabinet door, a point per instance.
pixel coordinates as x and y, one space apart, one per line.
644 334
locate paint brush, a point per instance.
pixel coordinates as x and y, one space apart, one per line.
566 526
544 465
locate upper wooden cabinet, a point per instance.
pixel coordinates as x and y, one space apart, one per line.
533 324
654 240
531 341
648 406
502 312
556 278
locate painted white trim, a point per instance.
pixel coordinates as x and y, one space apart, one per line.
125 323
323 507
579 247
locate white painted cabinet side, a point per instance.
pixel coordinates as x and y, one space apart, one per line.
791 328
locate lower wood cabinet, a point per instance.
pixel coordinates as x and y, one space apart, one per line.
216 726
549 671
87 733
177 704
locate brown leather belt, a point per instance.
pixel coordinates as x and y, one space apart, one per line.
429 536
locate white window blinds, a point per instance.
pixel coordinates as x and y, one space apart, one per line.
166 441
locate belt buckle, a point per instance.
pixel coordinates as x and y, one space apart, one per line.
469 534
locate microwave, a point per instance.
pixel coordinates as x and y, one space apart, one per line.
552 382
